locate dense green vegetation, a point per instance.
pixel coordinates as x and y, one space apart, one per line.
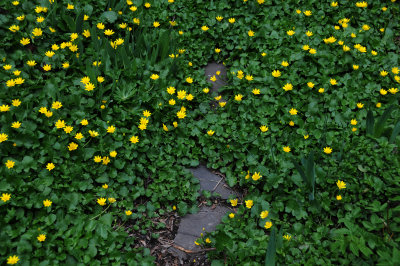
103 104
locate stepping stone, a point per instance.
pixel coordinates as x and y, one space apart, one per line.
210 71
212 182
192 225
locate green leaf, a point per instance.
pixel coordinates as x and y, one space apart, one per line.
395 132
271 249
106 219
370 123
380 125
111 16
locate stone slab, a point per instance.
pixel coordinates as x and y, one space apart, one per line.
192 225
212 182
210 71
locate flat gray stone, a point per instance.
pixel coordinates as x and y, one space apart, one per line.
210 71
192 225
212 182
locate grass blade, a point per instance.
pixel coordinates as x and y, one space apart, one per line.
395 132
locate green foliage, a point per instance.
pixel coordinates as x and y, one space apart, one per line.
297 190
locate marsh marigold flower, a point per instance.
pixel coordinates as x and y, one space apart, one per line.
340 184
249 204
5 197
41 237
328 150
256 176
47 203
268 225
12 260
264 214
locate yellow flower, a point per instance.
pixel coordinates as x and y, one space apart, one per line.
222 104
393 90
290 32
383 91
31 63
37 32
256 176
79 136
378 105
60 124
321 90
231 215
134 139
14 28
156 24
72 146
341 184
334 4
154 76
171 90
110 129
219 18
291 123
165 128
231 20
101 201
189 97
147 5
286 149
284 63
56 105
47 203
293 111
3 137
210 132
93 133
16 124
306 47
12 260
255 91
21 18
355 67
383 73
65 65
307 13
264 214
84 122
86 33
306 136
189 80
181 94
47 67
339 197
112 200
204 28
249 77
249 204
206 90
328 150
41 238
250 33
113 154
50 166
70 7
360 105
268 225
353 122
10 164
25 41
234 202
276 73
128 212
5 197
238 97
263 54
263 128
312 51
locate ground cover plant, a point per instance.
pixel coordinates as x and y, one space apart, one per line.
103 104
